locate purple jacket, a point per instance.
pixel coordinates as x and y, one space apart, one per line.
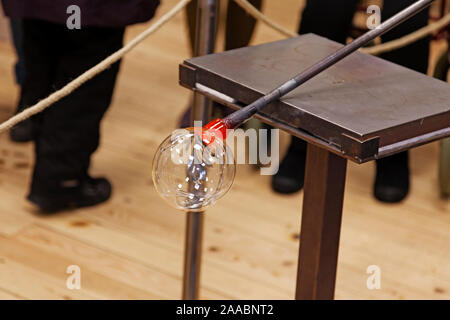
101 13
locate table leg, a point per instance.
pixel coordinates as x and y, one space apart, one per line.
321 224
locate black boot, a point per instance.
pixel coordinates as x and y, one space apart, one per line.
72 194
291 174
392 179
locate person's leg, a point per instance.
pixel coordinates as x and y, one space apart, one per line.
330 19
38 54
191 16
415 55
392 178
69 133
17 36
240 25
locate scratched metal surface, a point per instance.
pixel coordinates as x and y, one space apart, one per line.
362 96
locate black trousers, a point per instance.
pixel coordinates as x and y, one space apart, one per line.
68 132
333 19
16 30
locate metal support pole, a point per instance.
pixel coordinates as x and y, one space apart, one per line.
204 44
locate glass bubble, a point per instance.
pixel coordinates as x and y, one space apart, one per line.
189 174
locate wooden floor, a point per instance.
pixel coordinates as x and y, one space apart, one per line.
132 247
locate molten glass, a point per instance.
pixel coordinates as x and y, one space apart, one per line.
193 168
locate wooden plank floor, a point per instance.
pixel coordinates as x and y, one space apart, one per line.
132 247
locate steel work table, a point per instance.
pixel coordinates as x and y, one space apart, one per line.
361 109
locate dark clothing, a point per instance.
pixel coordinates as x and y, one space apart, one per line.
67 133
416 55
333 19
328 18
101 13
16 30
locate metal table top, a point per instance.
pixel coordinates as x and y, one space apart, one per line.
363 107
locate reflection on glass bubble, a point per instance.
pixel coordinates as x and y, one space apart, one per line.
189 174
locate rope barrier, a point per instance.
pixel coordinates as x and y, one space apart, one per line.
248 7
89 74
375 50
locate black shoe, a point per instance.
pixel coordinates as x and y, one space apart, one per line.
392 179
22 132
88 192
291 174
